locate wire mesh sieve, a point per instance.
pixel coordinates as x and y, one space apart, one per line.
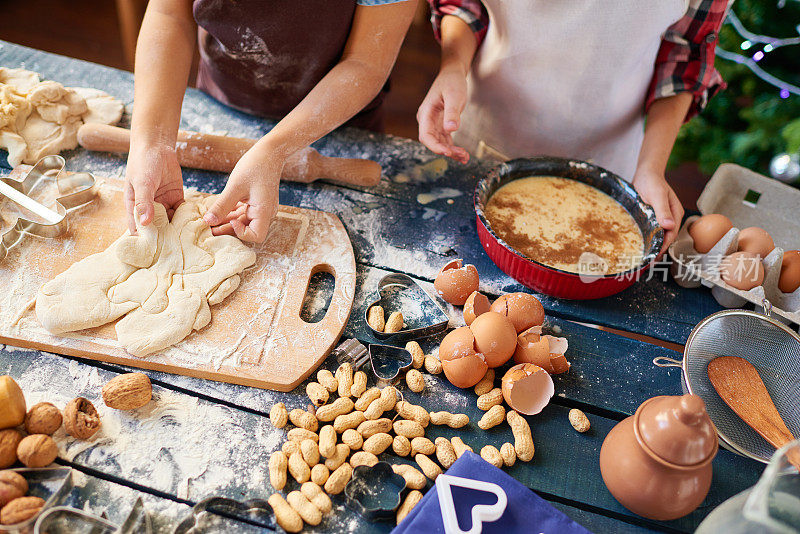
772 348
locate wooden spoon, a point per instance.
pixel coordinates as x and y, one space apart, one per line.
741 387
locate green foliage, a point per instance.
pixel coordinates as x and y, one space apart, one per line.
749 122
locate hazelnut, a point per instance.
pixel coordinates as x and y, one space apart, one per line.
43 418
81 419
13 402
37 450
128 391
9 440
20 509
12 486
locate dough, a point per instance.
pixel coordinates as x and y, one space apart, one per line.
42 118
161 280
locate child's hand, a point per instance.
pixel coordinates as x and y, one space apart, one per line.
654 189
439 115
153 175
248 203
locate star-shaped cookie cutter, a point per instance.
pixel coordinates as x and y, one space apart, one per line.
375 492
257 512
75 189
428 306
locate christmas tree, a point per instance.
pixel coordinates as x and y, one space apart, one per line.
758 116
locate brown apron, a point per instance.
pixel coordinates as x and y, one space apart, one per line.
263 57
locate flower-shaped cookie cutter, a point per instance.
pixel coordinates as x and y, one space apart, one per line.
256 512
52 484
387 362
375 492
74 189
403 290
69 519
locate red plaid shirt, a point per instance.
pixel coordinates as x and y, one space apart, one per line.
685 60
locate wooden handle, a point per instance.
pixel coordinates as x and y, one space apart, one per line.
220 153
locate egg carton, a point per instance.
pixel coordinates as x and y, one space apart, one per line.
747 199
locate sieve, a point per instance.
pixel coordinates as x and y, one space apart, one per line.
772 348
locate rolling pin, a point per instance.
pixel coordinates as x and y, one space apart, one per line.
220 153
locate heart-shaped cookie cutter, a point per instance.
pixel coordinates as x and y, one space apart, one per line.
380 358
75 189
59 478
256 512
375 492
66 519
428 306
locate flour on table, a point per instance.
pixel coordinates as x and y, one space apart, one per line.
162 280
40 118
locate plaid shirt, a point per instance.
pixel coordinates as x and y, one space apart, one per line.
685 60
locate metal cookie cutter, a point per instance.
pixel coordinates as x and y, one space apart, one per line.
75 189
256 512
375 492
66 520
387 362
52 484
404 291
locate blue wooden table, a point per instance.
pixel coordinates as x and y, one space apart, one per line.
204 438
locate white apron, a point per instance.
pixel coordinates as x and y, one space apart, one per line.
565 78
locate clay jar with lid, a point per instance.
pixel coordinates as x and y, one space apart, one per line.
657 463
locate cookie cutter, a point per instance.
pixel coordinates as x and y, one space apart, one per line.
66 520
256 512
400 282
75 189
375 492
40 480
387 362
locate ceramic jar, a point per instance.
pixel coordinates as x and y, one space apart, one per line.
657 463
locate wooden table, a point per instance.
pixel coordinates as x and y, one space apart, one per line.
201 438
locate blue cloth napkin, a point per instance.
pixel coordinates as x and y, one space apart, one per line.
526 512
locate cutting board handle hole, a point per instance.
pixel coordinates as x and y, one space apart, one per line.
318 295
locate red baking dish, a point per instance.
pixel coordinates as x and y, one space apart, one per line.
549 280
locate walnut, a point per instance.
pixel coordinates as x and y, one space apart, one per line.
81 419
37 450
128 391
12 485
43 418
20 509
13 402
9 440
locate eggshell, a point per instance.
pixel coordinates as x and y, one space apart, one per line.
708 230
545 351
462 364
456 281
755 240
495 338
742 270
789 279
527 388
522 309
476 304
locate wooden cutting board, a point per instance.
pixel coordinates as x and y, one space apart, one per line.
256 336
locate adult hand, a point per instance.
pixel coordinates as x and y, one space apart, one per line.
152 175
439 115
655 190
247 205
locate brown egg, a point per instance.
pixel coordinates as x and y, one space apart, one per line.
462 364
527 388
742 270
545 351
522 309
456 281
476 304
495 338
789 279
755 240
708 230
